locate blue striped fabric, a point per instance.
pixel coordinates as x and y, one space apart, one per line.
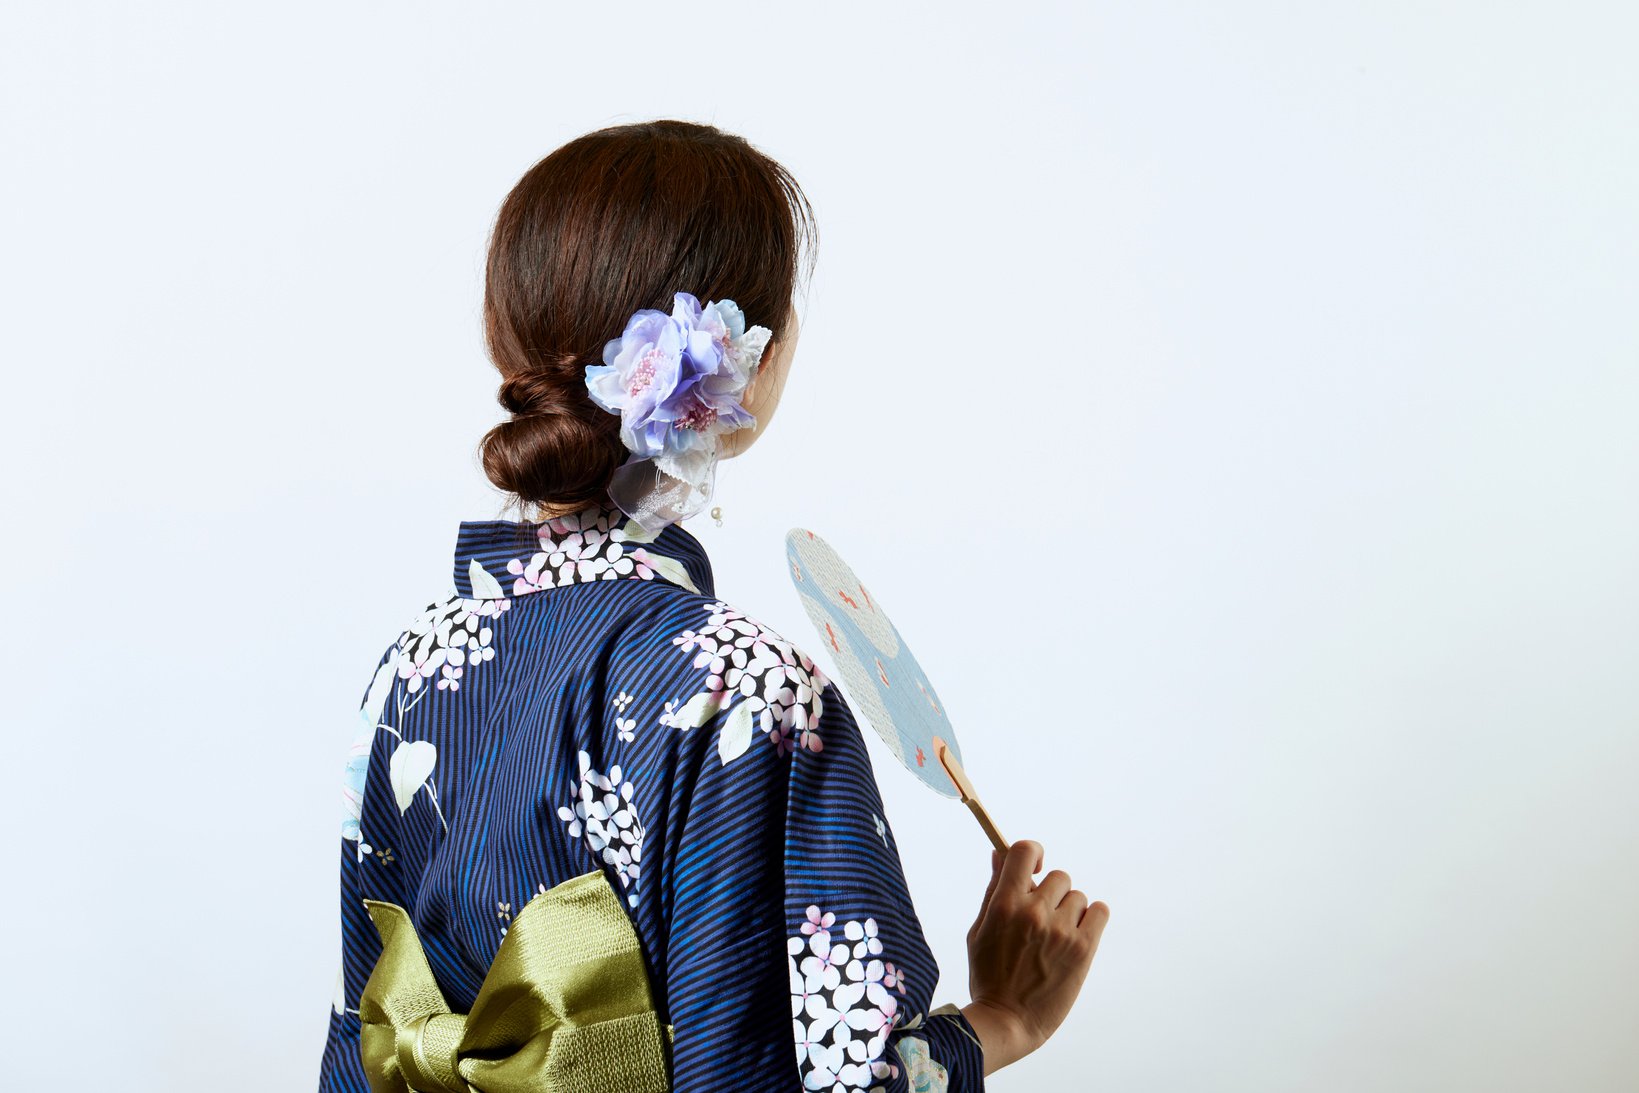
582 699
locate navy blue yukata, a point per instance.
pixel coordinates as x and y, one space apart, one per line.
583 700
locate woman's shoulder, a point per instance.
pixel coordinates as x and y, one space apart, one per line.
718 662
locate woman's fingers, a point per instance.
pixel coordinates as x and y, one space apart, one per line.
1093 920
1053 888
1023 859
990 890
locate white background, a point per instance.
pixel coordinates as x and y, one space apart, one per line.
1233 403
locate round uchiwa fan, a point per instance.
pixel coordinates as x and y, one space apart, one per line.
884 680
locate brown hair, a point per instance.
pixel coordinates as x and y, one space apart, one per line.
614 221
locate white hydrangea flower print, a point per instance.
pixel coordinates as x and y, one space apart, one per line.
767 681
582 546
445 639
604 812
864 937
842 1002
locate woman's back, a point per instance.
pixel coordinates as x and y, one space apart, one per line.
583 702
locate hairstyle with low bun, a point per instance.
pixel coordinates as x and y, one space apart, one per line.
612 222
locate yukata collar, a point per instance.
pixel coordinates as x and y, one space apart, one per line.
501 559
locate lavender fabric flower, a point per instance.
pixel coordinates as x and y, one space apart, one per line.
677 380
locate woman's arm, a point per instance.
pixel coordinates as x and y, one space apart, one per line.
796 959
1004 1038
842 859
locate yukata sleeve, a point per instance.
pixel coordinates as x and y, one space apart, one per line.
796 959
341 1068
862 977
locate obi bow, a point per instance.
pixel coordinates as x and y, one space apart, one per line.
564 1008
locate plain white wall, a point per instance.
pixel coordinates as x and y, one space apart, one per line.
1233 403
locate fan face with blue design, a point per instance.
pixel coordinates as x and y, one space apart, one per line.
884 680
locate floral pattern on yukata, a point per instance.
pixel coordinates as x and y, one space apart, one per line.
925 1073
588 546
842 1002
854 1014
606 814
761 678
446 638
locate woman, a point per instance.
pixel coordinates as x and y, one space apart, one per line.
604 831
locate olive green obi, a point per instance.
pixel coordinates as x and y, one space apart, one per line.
564 1008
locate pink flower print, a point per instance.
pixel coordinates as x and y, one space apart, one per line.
780 737
528 576
824 966
889 1006
640 561
893 977
450 678
817 921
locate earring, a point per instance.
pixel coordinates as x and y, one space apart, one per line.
717 514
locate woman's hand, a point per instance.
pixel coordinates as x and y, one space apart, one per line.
1028 954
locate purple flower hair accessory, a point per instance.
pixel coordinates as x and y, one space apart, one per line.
677 382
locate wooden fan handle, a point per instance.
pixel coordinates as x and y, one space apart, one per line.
965 788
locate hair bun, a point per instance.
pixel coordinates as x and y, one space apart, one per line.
552 450
526 393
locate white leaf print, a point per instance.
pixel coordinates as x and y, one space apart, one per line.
484 587
736 734
669 568
634 532
698 710
408 769
380 688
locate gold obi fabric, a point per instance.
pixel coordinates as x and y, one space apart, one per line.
564 1008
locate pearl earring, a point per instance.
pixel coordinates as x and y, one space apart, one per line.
717 514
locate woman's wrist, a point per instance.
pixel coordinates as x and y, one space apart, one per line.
1002 1035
